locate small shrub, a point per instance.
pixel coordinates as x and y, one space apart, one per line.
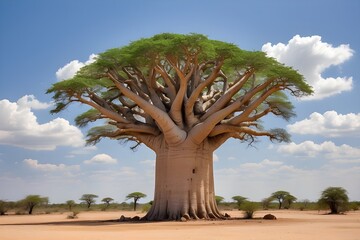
354 206
73 215
146 208
249 209
20 212
4 207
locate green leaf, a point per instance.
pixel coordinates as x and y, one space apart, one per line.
86 117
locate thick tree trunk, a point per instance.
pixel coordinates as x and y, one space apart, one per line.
184 183
333 208
31 208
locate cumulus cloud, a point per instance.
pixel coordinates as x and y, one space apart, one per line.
19 127
263 171
264 163
329 124
46 167
311 57
29 101
70 69
102 159
326 149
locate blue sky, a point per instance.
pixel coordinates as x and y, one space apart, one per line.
43 41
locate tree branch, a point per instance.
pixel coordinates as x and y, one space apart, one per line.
224 99
189 105
173 134
200 131
108 113
168 81
244 115
217 141
138 128
175 111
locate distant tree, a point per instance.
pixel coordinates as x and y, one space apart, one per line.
280 196
5 206
107 201
304 203
335 197
136 196
88 199
289 199
219 199
70 204
31 201
239 200
266 203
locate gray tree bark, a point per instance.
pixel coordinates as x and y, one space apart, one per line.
184 182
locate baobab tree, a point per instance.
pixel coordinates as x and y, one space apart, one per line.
182 96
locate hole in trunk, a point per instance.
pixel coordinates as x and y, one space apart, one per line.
194 171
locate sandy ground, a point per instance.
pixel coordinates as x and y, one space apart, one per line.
291 225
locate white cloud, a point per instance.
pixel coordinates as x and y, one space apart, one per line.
326 149
127 171
330 124
70 69
264 163
101 158
83 150
346 161
29 101
34 164
106 175
19 127
311 57
148 162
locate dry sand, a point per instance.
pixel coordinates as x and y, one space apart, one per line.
291 225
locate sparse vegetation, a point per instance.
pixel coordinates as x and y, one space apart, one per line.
249 209
304 204
219 199
146 207
266 203
107 202
239 200
43 207
73 215
5 206
70 204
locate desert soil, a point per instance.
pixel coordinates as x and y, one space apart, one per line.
294 225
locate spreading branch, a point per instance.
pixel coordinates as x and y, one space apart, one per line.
170 89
